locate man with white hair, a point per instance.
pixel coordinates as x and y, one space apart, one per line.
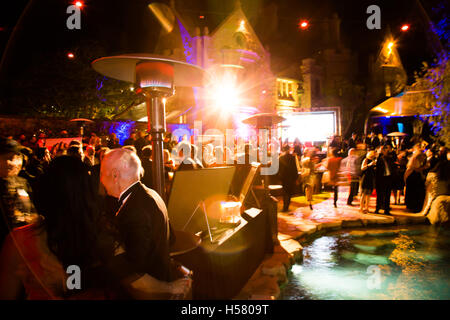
141 221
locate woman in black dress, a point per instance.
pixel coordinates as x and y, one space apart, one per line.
399 183
415 181
367 180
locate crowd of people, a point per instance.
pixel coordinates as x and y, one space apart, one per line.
90 204
368 164
83 204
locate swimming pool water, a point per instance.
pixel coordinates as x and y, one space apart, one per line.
406 263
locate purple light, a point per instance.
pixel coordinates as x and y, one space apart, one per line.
187 40
247 60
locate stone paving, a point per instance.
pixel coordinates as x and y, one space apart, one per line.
300 223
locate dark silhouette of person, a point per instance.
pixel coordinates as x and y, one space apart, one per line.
147 163
384 175
353 141
288 175
372 141
131 140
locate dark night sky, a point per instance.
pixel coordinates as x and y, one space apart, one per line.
122 26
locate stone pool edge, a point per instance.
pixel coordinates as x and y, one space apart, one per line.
272 273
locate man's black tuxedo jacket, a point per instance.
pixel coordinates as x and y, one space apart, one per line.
143 227
287 169
381 167
373 142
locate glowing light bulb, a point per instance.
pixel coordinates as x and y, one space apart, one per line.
304 24
242 26
389 47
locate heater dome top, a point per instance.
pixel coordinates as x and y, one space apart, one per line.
123 67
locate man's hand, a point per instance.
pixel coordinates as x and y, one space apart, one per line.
181 286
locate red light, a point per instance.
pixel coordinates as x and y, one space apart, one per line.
70 55
201 17
405 27
304 24
79 4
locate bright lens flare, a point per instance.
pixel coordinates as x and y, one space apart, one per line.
242 26
226 96
405 27
389 47
304 24
79 4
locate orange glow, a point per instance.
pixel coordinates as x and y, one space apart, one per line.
304 24
390 46
242 26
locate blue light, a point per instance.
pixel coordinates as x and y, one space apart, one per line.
99 84
385 122
187 40
442 28
179 127
122 129
400 127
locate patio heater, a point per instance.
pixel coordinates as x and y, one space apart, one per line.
264 121
156 78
